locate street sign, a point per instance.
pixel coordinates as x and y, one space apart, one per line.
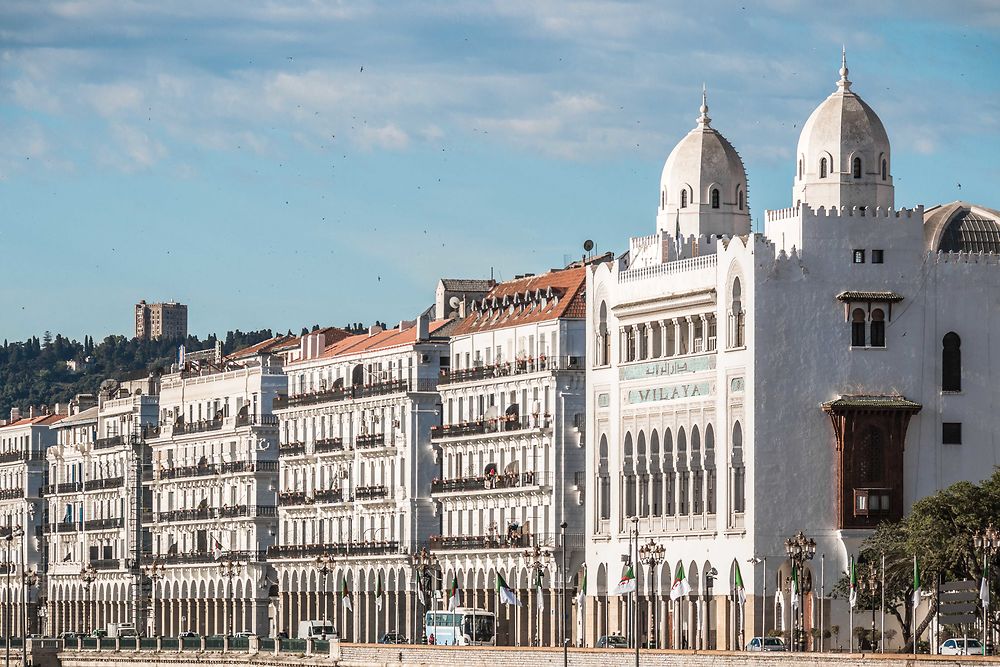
959 602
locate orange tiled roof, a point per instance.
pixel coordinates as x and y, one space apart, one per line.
359 343
550 296
41 420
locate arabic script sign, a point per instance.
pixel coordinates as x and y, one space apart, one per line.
704 362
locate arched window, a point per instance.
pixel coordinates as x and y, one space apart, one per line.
656 490
822 168
856 167
878 328
736 464
858 328
663 199
715 197
871 457
669 506
683 473
951 362
885 169
684 198
740 197
709 469
604 474
800 168
603 339
697 472
642 470
628 472
736 323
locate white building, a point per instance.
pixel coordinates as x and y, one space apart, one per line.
23 442
356 471
510 450
95 537
214 490
821 376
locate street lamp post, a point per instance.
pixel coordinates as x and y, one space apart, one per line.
30 580
424 565
230 569
652 554
871 582
989 542
324 565
537 558
154 571
88 574
763 595
799 550
13 532
562 596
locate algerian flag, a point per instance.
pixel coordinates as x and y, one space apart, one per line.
507 596
916 583
984 587
216 549
627 583
581 596
379 592
741 591
345 595
453 600
795 587
539 597
681 587
854 582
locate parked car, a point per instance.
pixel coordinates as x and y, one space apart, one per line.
612 641
392 638
766 644
99 633
189 633
68 636
244 635
961 646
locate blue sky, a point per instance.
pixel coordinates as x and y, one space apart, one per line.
283 164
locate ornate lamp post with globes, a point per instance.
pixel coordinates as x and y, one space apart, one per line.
536 560
425 565
799 550
652 554
324 565
154 571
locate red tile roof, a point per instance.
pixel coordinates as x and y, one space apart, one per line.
359 343
40 420
557 294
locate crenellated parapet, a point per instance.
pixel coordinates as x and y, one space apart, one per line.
987 258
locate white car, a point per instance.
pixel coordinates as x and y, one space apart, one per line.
766 644
966 646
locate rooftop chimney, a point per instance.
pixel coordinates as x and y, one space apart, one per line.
15 414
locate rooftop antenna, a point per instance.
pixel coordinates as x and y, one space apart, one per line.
588 245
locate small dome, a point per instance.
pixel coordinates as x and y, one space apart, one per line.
703 185
843 156
962 227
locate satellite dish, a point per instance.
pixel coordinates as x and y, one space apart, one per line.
454 301
588 245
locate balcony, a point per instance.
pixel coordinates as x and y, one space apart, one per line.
198 557
236 467
10 457
256 420
369 441
329 445
509 481
291 449
63 527
182 472
513 540
511 368
500 425
202 426
370 492
331 496
104 524
206 513
107 443
297 498
872 502
65 487
105 483
346 393
11 494
106 563
337 550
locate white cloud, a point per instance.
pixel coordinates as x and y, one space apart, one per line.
388 136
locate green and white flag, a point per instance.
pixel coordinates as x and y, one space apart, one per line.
507 596
453 601
741 591
379 592
627 583
345 595
916 584
680 587
854 583
795 587
581 596
539 598
984 587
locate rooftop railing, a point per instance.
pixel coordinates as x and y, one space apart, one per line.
503 481
505 424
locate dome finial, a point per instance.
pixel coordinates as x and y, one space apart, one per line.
843 85
703 119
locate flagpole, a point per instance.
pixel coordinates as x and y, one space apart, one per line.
882 640
850 621
822 597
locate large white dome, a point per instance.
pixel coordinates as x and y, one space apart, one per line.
843 156
703 187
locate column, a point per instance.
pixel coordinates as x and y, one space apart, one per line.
675 328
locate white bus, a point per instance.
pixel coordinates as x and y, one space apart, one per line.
463 627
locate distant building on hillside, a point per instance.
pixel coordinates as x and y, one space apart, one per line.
154 321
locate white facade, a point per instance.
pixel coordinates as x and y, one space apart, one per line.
95 509
356 470
214 490
510 451
817 365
